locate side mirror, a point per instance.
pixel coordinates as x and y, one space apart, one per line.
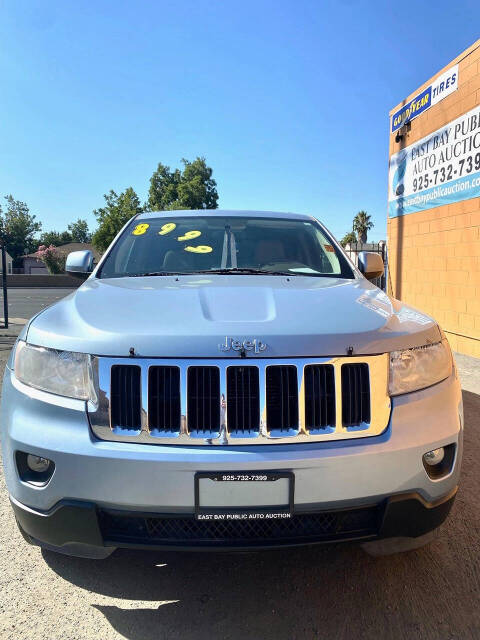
79 263
370 264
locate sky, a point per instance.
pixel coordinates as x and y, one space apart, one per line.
287 100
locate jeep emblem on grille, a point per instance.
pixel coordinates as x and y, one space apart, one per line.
242 345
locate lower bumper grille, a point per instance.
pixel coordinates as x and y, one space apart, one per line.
304 528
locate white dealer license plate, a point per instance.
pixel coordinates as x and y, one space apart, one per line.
244 495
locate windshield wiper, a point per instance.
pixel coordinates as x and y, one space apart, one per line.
246 270
156 273
225 271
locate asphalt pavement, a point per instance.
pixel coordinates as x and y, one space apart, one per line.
25 303
333 592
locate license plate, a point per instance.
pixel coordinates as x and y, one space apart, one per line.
244 495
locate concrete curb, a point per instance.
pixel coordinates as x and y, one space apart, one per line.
15 325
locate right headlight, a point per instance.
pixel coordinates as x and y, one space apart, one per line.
61 372
419 367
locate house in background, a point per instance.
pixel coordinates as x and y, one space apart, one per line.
33 266
9 261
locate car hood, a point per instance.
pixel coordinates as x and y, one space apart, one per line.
190 316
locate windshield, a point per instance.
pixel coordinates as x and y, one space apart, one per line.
184 245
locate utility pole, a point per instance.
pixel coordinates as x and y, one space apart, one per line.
4 284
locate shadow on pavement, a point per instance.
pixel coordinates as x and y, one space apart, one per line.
332 592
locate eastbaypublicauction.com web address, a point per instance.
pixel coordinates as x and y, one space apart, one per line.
441 192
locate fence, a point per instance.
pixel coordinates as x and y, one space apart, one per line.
354 248
46 281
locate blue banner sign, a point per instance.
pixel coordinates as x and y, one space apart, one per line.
439 169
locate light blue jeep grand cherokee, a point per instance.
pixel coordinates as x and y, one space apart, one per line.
229 380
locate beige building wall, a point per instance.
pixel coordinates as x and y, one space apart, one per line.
434 255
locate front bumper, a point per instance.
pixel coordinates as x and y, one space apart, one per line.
99 476
71 527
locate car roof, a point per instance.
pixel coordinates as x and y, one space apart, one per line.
193 213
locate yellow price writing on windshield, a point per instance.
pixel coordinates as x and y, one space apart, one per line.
140 229
202 248
189 235
167 228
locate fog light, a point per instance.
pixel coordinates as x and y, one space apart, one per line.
33 469
439 462
37 464
434 457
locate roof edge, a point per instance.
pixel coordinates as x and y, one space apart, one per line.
227 212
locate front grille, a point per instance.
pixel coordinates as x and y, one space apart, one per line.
125 402
319 396
355 395
164 399
282 398
203 399
240 401
243 405
165 530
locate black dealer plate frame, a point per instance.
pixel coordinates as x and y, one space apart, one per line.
204 513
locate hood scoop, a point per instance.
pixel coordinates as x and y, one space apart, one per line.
232 304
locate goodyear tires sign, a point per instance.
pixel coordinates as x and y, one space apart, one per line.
412 109
443 86
439 169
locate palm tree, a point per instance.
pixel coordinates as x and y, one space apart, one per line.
348 238
361 225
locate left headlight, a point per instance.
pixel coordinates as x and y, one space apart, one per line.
61 372
419 367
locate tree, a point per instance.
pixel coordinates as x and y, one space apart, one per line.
53 259
54 238
348 238
79 231
163 188
194 188
197 188
118 210
18 228
362 225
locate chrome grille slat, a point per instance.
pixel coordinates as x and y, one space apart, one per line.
243 400
355 395
203 401
164 400
282 400
125 403
319 397
315 399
